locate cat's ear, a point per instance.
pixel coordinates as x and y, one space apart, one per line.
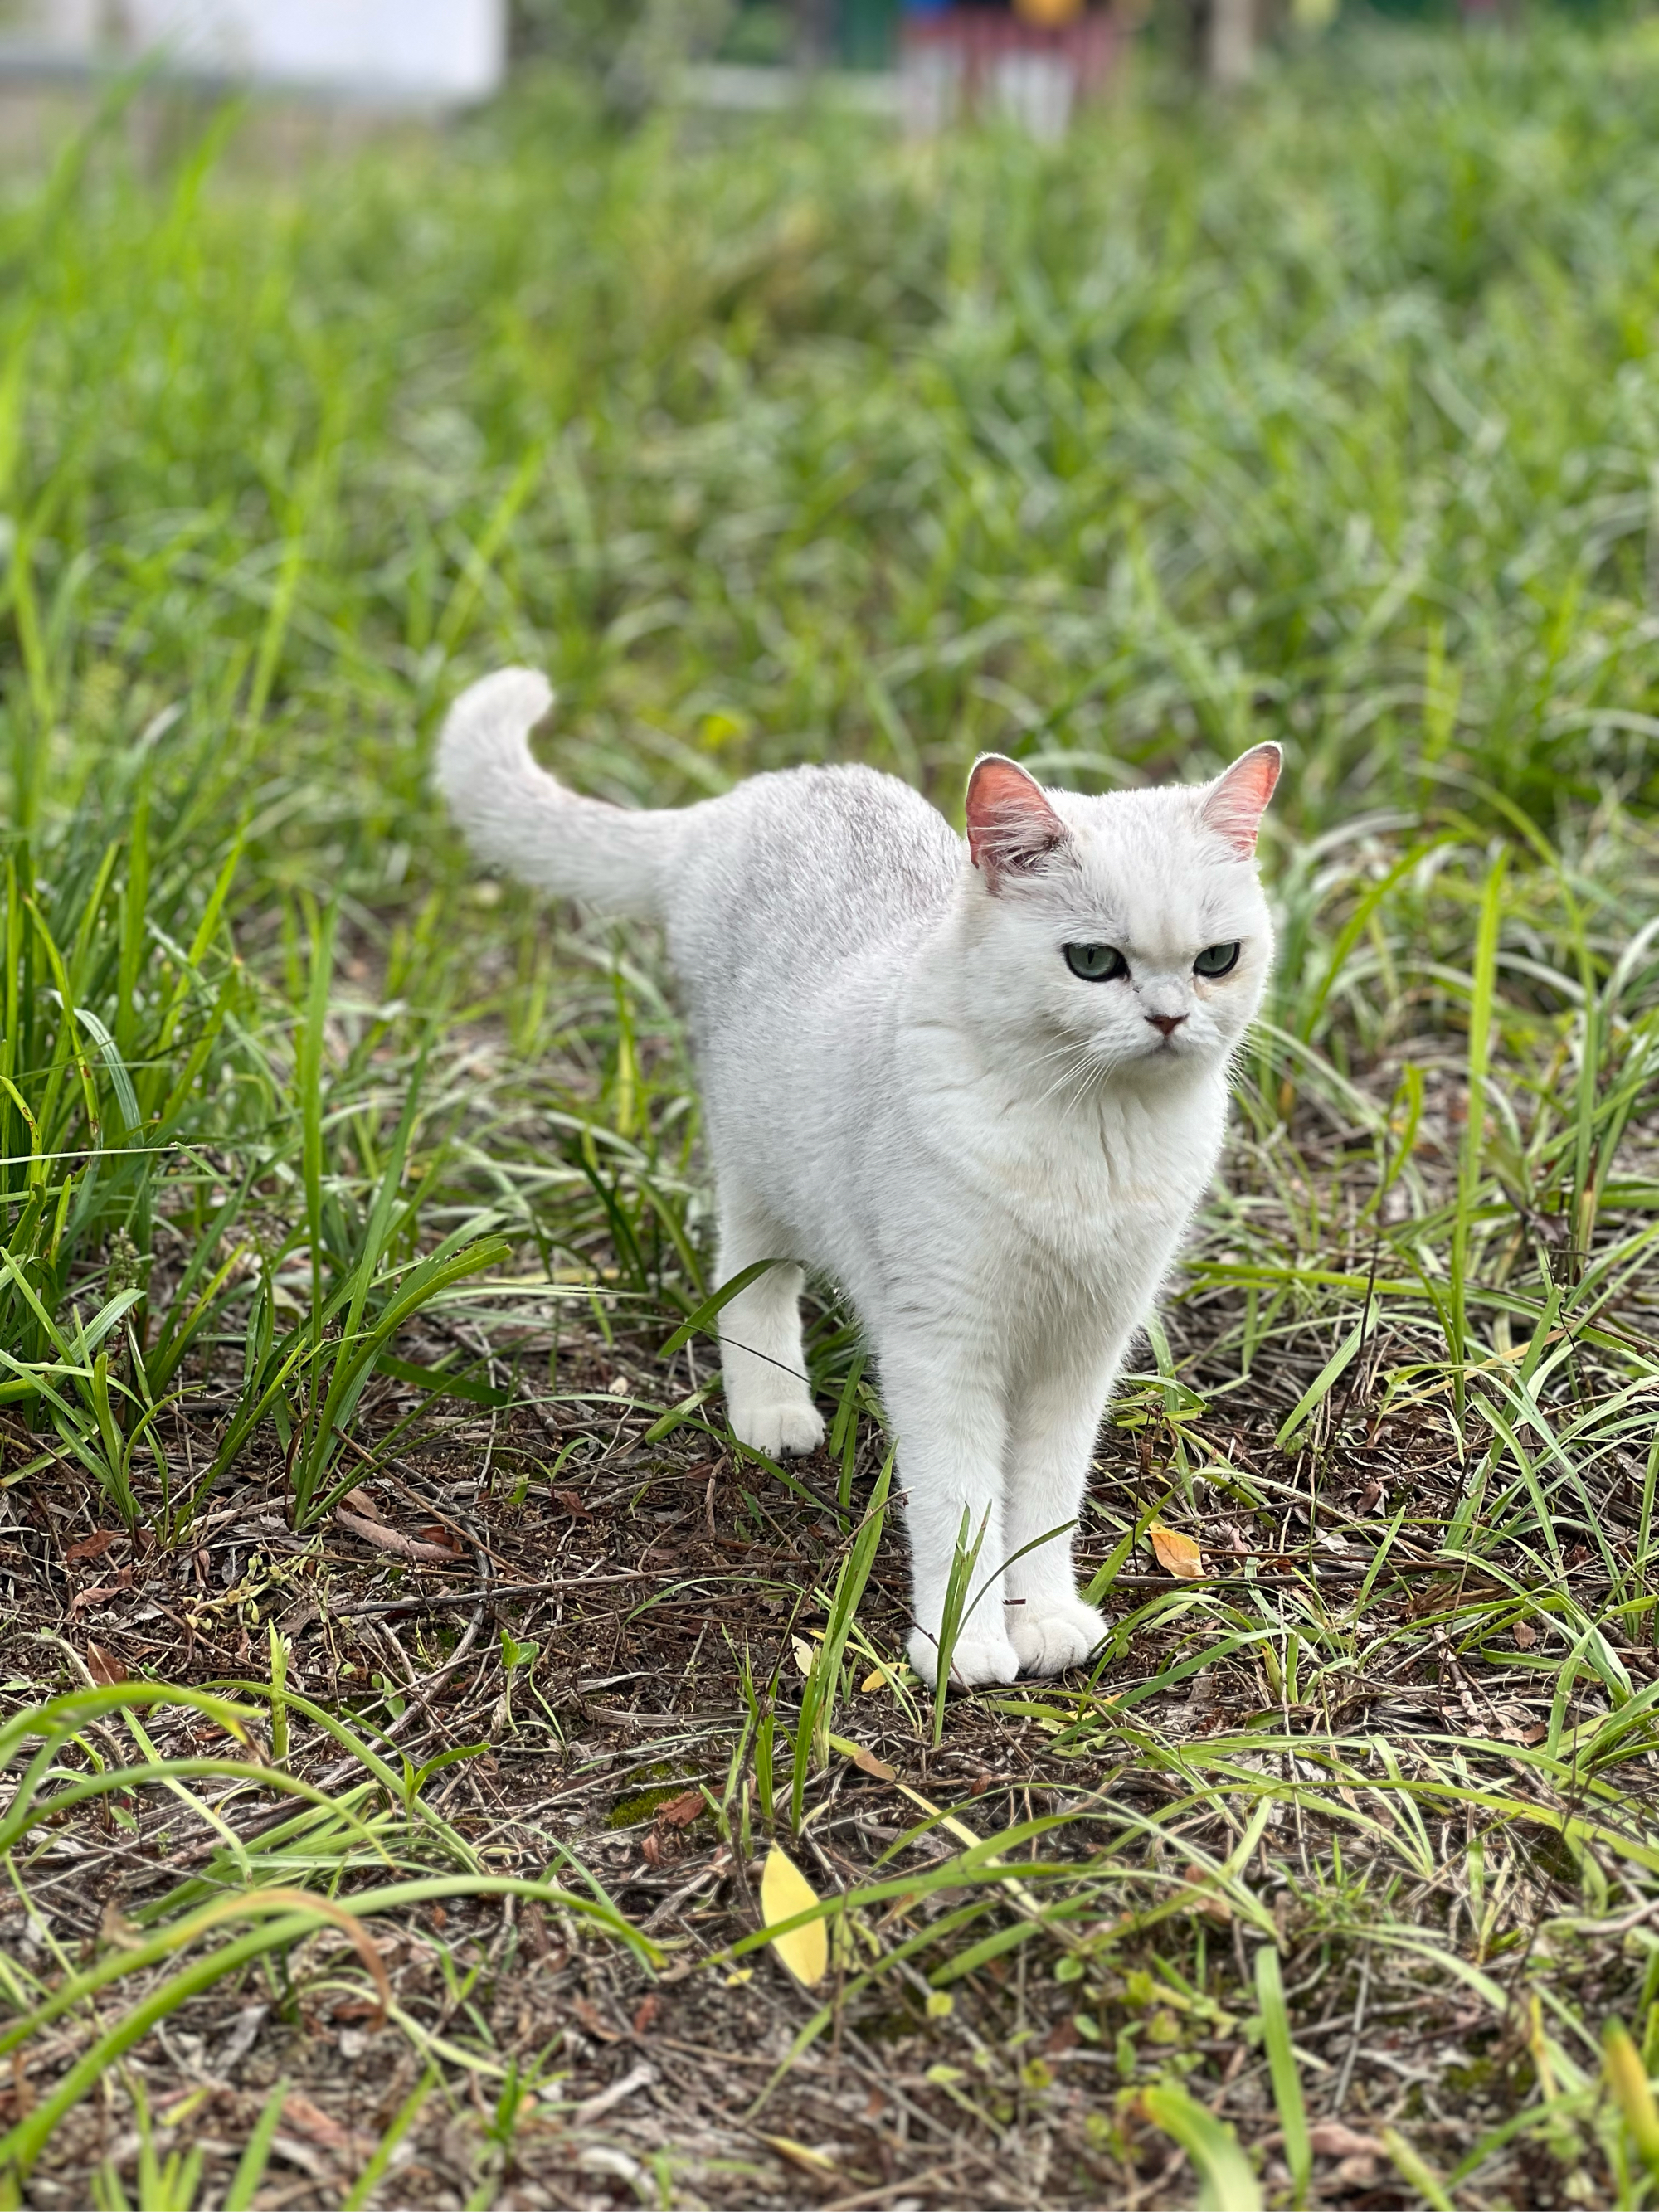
1011 828
1236 801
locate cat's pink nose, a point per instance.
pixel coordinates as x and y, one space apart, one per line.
1168 1023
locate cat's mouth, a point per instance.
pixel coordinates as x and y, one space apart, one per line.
1177 1045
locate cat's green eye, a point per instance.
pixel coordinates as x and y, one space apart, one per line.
1095 964
1216 960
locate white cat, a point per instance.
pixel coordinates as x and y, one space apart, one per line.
981 1087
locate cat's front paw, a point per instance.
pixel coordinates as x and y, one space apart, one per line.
1051 1634
976 1657
785 1429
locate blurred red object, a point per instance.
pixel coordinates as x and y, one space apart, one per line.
1032 62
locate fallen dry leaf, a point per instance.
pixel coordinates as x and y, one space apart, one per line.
1207 1900
92 1547
86 1598
805 1655
588 2013
1525 1634
115 1929
320 2127
785 1890
1177 1555
105 1668
866 1760
1331 2139
680 1812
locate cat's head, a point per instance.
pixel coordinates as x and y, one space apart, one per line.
1125 932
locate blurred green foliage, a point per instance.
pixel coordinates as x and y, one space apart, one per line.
1185 433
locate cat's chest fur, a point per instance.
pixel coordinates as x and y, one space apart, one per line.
1049 1204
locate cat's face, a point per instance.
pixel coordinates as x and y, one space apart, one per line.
1125 933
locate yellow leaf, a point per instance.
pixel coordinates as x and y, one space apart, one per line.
175 2115
862 1756
1177 1555
804 1653
785 1890
940 2004
801 2155
1629 2077
875 1679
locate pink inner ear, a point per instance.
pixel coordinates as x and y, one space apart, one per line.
1238 801
1011 825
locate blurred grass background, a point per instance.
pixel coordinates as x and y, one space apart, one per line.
1202 428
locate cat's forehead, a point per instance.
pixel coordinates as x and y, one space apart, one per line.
1149 866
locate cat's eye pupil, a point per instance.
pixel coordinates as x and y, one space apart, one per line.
1095 964
1217 959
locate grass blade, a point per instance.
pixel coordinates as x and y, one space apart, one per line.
1225 2183
1281 2065
1472 1158
1414 2170
255 2152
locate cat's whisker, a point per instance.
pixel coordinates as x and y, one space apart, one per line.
1073 1057
1064 1050
1074 1080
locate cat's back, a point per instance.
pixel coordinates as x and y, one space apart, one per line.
798 874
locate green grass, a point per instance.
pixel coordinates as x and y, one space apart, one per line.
1334 418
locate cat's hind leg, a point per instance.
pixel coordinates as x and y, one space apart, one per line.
768 1398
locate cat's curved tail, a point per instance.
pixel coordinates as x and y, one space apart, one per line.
518 816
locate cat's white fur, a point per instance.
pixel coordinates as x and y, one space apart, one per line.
906 1088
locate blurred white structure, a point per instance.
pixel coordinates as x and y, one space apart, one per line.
1032 65
416 51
